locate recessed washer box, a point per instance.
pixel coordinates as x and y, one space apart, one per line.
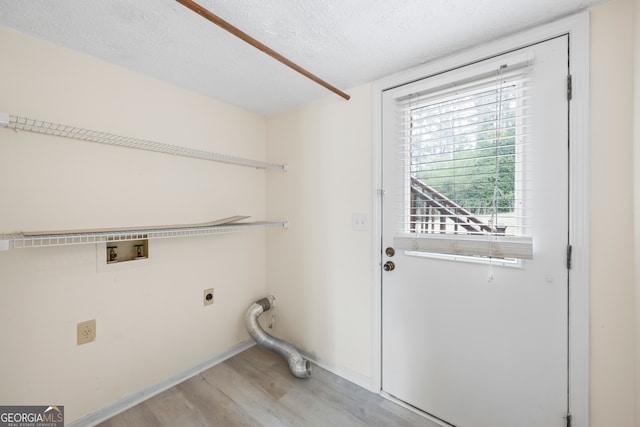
118 255
128 250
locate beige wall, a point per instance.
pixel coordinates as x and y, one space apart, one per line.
636 169
612 257
320 270
151 322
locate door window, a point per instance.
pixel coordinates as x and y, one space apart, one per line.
464 150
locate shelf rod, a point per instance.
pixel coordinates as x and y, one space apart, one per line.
210 16
47 128
20 241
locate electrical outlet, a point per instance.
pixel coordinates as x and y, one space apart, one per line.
208 296
86 331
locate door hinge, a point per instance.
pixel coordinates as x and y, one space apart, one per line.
569 259
569 88
382 191
568 417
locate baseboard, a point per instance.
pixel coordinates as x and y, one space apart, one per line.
415 410
138 397
348 374
132 400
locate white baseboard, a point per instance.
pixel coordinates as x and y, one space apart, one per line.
138 397
415 410
132 400
346 373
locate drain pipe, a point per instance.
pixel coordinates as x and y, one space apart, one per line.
299 366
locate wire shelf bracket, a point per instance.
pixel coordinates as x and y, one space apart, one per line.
47 128
21 240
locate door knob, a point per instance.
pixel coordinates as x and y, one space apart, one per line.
389 266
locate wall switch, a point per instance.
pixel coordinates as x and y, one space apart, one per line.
208 296
86 331
359 222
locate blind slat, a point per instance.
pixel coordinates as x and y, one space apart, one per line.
464 155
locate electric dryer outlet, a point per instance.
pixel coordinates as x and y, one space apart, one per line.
86 331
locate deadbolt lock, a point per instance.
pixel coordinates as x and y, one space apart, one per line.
390 251
389 266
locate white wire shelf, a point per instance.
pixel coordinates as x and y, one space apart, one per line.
47 128
20 240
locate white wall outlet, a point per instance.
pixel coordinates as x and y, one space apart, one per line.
359 222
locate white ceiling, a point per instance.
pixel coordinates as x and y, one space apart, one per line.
345 42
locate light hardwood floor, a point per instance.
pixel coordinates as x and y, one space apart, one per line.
255 388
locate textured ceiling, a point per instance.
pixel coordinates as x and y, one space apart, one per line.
345 42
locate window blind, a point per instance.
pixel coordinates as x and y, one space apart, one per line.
463 152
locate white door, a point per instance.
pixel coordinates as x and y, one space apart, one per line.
471 339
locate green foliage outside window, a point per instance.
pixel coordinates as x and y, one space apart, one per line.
465 148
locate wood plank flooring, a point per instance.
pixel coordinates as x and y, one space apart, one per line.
255 388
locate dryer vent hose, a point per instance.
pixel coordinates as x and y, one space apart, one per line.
299 366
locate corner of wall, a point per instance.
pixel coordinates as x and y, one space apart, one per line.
320 268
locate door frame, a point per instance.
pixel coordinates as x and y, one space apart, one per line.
577 28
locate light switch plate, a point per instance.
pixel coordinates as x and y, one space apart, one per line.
359 222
